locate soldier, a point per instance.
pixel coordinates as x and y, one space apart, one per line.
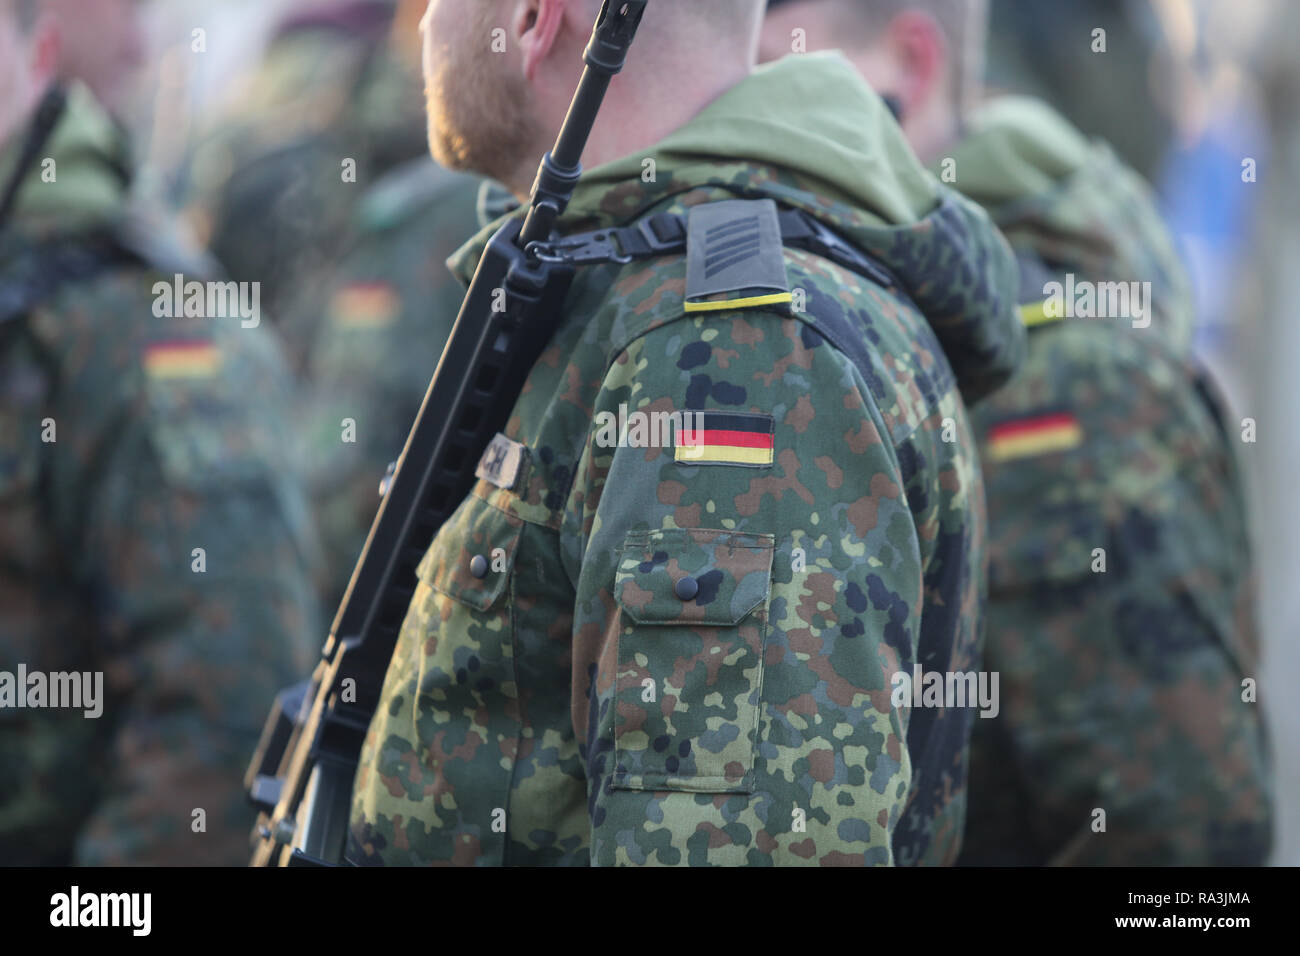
153 593
737 498
364 381
354 280
1041 49
276 177
1121 610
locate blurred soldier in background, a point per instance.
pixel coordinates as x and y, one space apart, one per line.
340 84
151 538
275 182
1268 293
1041 49
1121 608
388 311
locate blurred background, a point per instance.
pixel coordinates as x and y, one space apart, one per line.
239 95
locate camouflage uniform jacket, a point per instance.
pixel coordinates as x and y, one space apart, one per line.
664 662
150 539
389 309
1122 688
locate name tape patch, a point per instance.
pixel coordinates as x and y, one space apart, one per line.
502 462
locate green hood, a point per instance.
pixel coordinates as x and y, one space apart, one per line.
1017 148
845 147
807 132
1072 204
91 159
90 194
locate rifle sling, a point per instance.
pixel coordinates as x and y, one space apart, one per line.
665 234
40 270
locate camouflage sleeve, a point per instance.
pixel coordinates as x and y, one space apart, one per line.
1120 619
746 588
363 389
190 539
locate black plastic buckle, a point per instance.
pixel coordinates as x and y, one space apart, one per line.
585 249
659 235
653 236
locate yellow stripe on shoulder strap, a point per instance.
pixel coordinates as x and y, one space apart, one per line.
752 302
1035 313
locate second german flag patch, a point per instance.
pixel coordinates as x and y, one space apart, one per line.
1038 435
182 359
725 438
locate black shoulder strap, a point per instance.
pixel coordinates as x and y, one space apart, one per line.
665 234
48 114
38 271
1035 274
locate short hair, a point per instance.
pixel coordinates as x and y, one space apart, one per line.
729 11
965 25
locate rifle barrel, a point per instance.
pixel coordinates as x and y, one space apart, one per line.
562 166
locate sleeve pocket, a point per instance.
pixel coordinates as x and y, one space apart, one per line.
1034 548
690 659
474 555
1170 585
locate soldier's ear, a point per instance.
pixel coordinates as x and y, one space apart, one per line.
920 50
46 49
537 24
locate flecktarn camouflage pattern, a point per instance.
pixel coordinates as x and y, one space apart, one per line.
152 542
389 308
618 654
1121 616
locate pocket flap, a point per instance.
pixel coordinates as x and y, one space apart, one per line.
1044 546
22 412
477 530
693 575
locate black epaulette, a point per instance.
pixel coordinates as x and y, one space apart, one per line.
36 271
1035 274
39 270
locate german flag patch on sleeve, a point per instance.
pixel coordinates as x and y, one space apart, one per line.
182 359
1036 435
365 305
725 438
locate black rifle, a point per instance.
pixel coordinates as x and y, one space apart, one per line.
301 775
48 113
